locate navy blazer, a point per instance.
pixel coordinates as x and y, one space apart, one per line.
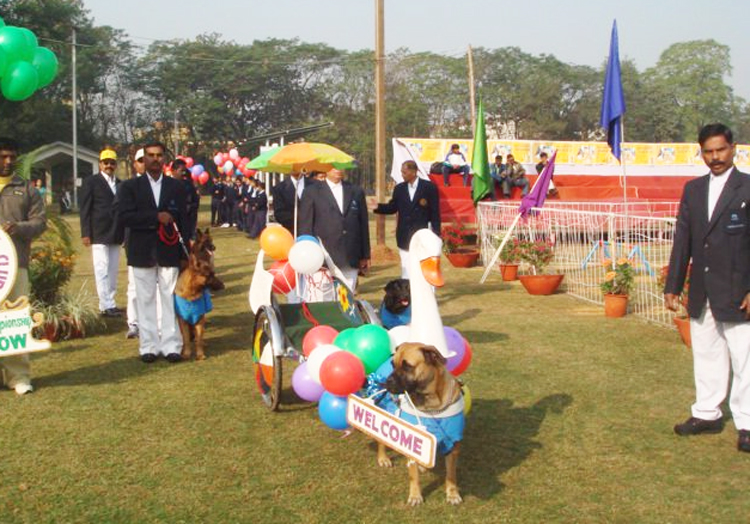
98 221
719 248
284 195
137 210
346 236
413 215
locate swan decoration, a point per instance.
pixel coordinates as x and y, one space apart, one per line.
426 326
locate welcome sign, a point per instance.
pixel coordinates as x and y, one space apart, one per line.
8 265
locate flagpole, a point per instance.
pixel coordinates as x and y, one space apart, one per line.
622 164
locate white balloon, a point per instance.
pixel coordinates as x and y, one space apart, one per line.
316 358
234 154
398 336
306 257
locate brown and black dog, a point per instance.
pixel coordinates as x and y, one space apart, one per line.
420 371
192 300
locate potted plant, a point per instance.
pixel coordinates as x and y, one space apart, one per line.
510 257
538 254
454 240
617 284
681 319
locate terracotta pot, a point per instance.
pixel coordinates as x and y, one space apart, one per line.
541 284
461 258
509 272
615 306
51 332
683 326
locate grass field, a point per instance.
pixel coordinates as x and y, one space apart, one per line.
572 422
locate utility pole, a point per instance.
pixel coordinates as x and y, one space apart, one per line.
470 58
380 118
74 95
176 134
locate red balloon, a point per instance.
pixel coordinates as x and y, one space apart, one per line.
318 336
203 178
284 276
464 362
342 373
189 162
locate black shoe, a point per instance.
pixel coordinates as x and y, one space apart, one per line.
696 426
743 441
111 312
148 358
173 358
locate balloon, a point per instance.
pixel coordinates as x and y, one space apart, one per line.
45 63
318 336
398 336
372 345
197 169
250 172
244 160
189 162
308 237
31 43
234 154
315 361
467 400
19 81
456 346
342 373
14 42
304 386
2 22
284 277
228 166
332 411
218 160
276 241
306 257
4 61
342 339
464 363
203 178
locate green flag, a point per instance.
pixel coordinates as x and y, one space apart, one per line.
482 184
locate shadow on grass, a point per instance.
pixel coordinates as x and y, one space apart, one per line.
111 372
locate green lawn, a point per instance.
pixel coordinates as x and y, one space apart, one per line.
572 422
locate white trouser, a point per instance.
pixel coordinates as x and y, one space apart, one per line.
16 369
719 347
404 262
351 274
132 308
106 259
157 336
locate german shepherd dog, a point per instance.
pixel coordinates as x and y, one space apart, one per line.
192 300
420 371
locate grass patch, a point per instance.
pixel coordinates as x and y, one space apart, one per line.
571 423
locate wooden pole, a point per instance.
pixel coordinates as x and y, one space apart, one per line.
472 102
380 117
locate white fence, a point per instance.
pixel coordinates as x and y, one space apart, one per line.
584 236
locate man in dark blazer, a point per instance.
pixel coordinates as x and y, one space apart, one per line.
100 231
151 206
418 206
713 229
336 212
286 194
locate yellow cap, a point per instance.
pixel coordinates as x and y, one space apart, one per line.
107 154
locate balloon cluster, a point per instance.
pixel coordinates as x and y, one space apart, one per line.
24 66
197 172
304 256
231 164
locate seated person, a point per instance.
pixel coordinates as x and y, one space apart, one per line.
497 173
515 176
543 161
455 162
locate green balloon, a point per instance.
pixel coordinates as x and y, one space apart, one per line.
372 345
2 22
15 43
19 81
3 61
46 65
31 43
343 338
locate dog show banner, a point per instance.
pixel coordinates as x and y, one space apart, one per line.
16 319
411 441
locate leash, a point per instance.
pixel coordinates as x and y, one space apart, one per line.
171 238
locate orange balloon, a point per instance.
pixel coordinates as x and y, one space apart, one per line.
276 241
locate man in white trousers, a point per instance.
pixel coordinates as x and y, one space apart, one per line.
99 229
713 230
139 168
151 206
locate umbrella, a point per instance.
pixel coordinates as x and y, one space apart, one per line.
306 156
260 162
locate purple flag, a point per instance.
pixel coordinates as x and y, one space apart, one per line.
538 194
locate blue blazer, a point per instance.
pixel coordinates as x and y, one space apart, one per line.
415 214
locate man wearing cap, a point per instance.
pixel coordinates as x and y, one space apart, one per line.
99 229
139 167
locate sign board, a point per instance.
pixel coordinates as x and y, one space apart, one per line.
15 332
409 440
8 265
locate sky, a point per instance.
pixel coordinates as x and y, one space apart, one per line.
574 31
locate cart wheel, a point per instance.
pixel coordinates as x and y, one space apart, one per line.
266 365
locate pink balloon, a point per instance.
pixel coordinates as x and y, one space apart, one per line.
189 162
218 159
318 336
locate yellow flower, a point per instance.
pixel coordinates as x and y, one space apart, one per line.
606 262
623 261
610 276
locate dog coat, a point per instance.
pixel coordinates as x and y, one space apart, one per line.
191 311
391 320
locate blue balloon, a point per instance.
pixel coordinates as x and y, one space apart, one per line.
308 237
197 169
332 411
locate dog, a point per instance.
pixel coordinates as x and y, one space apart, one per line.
396 307
192 297
420 372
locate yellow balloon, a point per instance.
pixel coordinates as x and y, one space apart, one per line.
467 399
276 241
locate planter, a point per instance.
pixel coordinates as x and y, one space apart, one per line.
683 326
541 284
509 272
615 306
461 258
470 239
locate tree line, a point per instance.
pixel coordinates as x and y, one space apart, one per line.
221 91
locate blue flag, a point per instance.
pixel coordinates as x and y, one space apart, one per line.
613 101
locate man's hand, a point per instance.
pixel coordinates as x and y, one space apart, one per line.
164 218
745 306
364 266
9 227
86 241
672 301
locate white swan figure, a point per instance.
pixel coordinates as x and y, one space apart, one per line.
426 325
